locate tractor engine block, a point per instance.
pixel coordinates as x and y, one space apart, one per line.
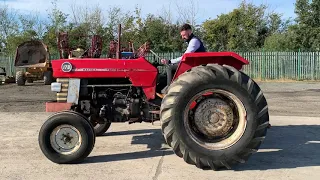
119 104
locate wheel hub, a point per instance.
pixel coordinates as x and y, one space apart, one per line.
217 121
65 139
213 117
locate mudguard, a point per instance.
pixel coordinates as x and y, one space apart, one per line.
190 60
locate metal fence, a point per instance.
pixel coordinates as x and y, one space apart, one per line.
263 65
283 65
8 63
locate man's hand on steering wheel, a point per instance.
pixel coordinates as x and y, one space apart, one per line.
164 61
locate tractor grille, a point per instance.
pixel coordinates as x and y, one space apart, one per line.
62 96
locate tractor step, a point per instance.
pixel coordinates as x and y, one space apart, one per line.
57 106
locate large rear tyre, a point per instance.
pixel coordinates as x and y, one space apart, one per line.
20 78
214 117
66 137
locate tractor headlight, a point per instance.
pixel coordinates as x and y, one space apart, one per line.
56 87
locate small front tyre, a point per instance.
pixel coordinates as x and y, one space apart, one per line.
99 125
100 129
66 138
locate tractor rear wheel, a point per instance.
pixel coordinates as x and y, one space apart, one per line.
66 137
214 116
20 78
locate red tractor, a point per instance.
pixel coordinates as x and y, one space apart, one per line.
212 114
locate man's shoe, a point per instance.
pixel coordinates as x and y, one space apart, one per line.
165 90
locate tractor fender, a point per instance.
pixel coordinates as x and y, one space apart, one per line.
190 60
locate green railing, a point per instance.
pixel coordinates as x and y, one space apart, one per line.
263 65
8 63
283 65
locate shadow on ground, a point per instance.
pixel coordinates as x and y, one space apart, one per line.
285 147
150 137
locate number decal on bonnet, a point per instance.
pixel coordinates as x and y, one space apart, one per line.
66 67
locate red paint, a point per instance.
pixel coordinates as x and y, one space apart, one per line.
190 60
207 94
56 107
193 104
139 71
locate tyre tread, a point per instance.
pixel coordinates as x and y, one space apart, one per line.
210 72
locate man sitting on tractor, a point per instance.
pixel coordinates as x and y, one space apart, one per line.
194 45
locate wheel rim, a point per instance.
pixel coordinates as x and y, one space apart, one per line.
65 139
215 119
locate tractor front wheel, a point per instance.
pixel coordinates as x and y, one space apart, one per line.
214 116
99 125
66 137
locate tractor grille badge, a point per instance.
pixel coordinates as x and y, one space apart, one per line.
66 67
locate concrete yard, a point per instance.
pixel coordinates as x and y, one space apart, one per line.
138 151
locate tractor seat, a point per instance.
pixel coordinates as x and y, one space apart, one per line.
127 55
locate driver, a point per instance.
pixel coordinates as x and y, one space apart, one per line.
194 45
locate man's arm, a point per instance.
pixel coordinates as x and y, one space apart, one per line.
194 44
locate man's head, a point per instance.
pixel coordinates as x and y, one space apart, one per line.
185 31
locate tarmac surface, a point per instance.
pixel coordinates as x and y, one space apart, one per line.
138 151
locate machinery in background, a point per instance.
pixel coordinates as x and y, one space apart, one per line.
32 58
3 74
67 52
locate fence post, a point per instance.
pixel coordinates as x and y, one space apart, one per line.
263 64
11 65
315 65
299 64
312 65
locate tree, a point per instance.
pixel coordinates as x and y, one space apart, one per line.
57 23
8 25
243 29
188 13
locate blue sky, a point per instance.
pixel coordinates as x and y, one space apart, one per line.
207 8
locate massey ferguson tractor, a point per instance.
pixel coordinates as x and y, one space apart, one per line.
212 115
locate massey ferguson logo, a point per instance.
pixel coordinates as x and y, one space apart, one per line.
66 67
